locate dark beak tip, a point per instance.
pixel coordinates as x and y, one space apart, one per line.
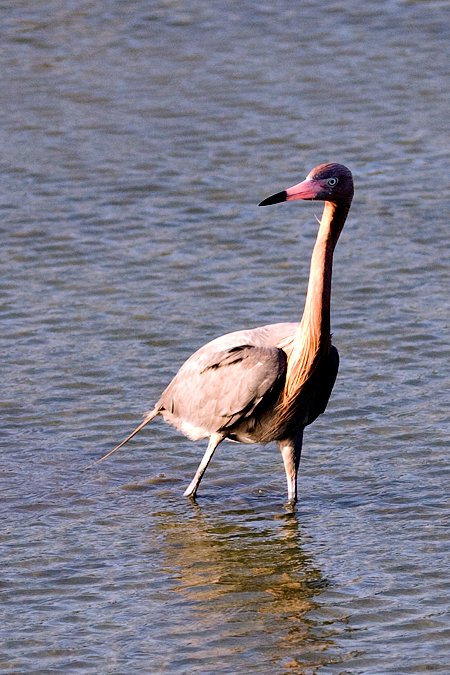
274 199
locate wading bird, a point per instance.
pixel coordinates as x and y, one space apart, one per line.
267 384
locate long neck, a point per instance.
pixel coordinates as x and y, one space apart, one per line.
316 314
312 339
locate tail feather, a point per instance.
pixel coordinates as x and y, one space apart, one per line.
148 419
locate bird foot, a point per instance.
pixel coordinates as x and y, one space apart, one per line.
290 504
190 492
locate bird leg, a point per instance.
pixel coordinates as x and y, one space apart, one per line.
290 451
214 441
148 419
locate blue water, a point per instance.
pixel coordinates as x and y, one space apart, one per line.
137 139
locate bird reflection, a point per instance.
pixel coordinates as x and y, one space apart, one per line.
245 580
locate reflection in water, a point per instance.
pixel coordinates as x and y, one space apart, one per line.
249 584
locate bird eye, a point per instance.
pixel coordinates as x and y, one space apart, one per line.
332 182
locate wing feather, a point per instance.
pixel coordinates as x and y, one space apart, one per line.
214 390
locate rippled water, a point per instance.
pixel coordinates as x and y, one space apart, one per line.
137 139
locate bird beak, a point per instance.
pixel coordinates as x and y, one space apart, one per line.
307 189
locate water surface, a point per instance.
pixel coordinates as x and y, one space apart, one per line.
137 139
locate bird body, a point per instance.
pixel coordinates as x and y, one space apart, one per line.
229 378
267 383
236 382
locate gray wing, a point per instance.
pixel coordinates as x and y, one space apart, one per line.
272 335
214 390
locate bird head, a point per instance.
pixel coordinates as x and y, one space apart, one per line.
327 183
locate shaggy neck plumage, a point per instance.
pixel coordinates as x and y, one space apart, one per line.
312 341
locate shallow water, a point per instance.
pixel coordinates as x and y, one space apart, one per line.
137 139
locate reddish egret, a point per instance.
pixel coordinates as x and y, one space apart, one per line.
268 383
